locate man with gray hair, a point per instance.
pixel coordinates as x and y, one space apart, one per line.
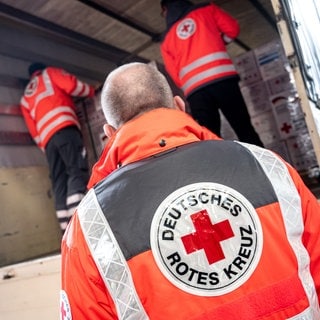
122 87
179 224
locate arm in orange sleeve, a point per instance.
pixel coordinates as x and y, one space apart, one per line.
227 25
70 83
311 218
86 291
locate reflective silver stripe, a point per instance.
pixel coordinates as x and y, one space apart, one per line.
65 213
33 113
307 314
49 89
36 139
205 74
290 205
202 61
81 90
53 113
75 198
63 225
71 211
73 202
62 213
56 122
109 259
86 90
24 103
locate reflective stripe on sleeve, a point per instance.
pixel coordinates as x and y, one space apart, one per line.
48 88
24 103
109 259
290 204
81 90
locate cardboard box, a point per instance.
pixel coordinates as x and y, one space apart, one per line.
280 83
92 119
256 97
271 59
280 148
288 114
247 68
301 152
269 138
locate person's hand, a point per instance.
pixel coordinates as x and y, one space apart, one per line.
226 39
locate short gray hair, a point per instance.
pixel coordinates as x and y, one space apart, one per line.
132 89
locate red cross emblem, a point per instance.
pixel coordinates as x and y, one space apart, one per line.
207 236
32 86
286 127
185 27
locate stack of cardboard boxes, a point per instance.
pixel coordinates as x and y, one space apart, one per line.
269 90
92 120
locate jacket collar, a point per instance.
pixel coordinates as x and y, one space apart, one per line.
148 134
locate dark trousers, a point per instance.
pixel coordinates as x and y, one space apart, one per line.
68 165
226 96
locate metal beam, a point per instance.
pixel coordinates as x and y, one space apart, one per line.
59 33
265 13
154 36
7 80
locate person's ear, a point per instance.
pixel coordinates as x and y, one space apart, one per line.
164 11
179 103
108 130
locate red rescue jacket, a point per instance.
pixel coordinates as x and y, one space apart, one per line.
194 51
85 294
47 104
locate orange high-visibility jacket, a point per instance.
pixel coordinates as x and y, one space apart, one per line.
47 104
194 51
267 266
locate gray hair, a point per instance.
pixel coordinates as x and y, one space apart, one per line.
132 89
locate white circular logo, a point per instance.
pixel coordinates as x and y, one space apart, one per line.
206 238
186 28
65 311
31 87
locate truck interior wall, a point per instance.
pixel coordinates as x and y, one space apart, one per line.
28 225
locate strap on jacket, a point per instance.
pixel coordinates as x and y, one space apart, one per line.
109 259
290 205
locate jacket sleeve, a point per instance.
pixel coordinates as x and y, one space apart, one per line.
227 25
70 83
311 218
81 281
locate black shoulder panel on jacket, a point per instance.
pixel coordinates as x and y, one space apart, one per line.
130 196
